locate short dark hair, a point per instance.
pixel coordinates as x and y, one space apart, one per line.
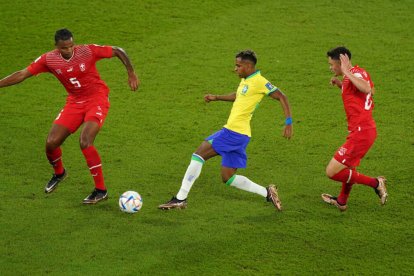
62 34
337 51
249 55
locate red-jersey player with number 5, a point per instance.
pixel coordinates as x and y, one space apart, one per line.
357 90
87 103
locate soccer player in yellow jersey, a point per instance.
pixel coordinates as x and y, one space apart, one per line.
231 141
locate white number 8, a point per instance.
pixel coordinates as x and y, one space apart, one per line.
75 82
368 102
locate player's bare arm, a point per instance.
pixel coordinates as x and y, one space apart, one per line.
15 78
361 84
228 98
133 80
288 130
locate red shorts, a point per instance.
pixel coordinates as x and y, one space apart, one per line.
73 115
356 146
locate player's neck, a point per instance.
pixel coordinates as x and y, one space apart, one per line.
250 73
68 58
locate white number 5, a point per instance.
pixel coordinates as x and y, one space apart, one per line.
75 82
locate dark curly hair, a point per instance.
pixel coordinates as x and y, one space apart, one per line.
335 52
249 55
62 34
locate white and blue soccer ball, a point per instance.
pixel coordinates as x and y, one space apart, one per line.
130 202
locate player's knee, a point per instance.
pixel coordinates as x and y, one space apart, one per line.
52 143
206 151
84 142
329 172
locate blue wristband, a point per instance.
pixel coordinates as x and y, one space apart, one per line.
288 121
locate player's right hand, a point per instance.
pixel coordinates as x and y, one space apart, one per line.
288 132
210 97
133 81
336 81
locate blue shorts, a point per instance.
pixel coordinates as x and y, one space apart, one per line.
231 146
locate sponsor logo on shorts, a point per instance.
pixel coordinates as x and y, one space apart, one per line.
342 151
82 67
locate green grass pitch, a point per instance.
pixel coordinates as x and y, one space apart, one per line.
181 50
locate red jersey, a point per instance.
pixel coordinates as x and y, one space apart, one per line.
77 74
358 105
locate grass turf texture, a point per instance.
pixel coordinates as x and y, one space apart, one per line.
181 50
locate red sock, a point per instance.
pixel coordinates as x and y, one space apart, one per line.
55 159
359 178
95 166
344 194
342 176
352 176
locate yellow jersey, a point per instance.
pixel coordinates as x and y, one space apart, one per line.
248 97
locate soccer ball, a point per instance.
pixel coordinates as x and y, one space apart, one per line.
130 202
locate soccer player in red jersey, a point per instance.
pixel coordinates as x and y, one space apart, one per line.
87 102
357 91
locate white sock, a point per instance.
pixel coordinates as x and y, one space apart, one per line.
243 183
192 173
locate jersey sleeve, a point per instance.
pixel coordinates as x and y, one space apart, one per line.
269 88
101 51
38 66
362 74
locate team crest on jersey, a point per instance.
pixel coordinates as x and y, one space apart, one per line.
269 86
342 151
82 67
244 90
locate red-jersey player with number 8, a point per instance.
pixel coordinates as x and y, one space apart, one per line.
87 102
357 90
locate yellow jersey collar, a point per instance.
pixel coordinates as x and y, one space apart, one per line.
252 75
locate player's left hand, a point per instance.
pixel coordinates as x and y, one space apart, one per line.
210 97
288 132
335 82
133 81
